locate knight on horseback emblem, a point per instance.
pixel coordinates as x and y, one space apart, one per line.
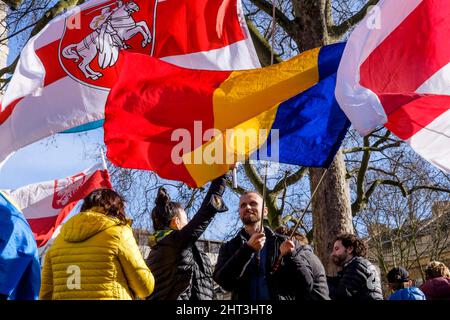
110 31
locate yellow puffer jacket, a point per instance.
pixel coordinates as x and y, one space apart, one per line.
95 257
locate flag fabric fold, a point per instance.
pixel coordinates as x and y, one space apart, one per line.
186 124
395 72
63 76
20 272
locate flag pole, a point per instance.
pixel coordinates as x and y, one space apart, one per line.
102 153
277 263
261 227
234 176
307 206
272 56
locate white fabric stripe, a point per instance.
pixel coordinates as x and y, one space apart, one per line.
41 209
438 84
27 79
62 105
219 59
433 142
361 105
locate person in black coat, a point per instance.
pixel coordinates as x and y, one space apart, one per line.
181 269
358 279
245 263
309 280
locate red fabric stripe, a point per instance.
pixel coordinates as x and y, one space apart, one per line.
53 70
4 115
190 26
43 228
142 111
410 55
181 28
416 114
99 179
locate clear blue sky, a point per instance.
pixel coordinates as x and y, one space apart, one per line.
56 157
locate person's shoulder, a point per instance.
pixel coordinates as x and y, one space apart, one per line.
416 293
237 239
361 262
358 264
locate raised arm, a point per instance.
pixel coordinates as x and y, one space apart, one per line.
212 204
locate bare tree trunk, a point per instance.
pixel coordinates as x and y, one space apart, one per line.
331 206
331 209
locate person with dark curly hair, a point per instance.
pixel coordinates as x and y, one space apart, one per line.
181 269
357 279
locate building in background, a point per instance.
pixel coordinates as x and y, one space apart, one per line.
414 244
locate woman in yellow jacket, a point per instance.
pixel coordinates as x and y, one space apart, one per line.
95 256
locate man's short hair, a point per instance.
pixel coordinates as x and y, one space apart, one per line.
350 240
251 191
301 238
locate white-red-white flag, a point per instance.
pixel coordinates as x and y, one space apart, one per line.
395 71
66 71
46 204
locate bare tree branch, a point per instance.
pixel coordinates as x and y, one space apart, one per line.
59 7
340 30
9 69
290 180
262 46
364 149
280 17
13 4
361 199
253 176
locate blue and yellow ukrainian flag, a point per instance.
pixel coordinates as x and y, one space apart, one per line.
296 97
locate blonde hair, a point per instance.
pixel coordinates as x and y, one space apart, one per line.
436 269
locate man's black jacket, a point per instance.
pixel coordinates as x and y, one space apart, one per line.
358 280
232 272
308 281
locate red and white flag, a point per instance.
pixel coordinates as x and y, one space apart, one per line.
46 204
65 72
395 71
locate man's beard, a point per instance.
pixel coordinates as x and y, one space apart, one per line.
250 219
339 260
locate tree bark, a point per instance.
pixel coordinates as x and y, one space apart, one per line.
331 206
331 209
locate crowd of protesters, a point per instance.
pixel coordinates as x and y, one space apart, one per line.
95 256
